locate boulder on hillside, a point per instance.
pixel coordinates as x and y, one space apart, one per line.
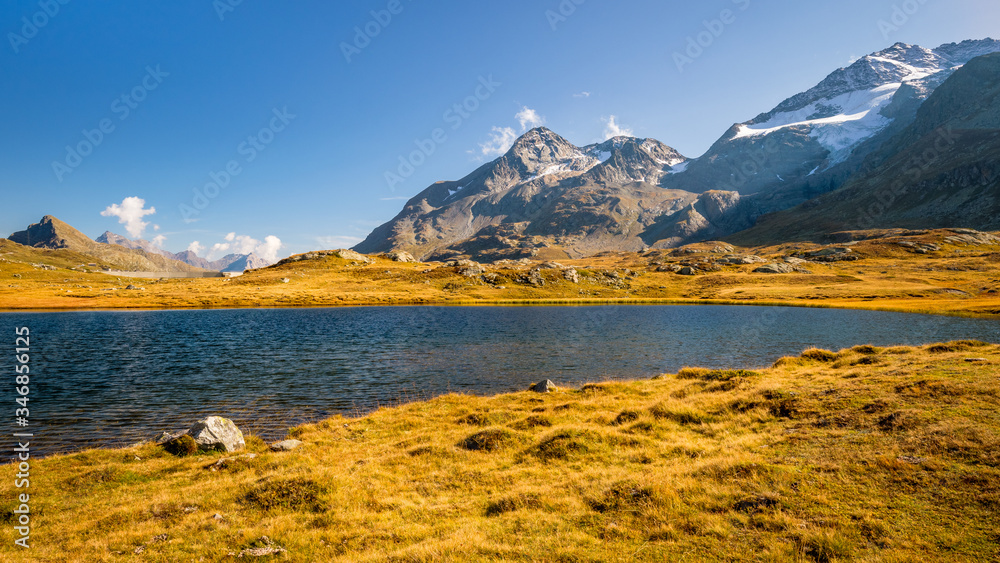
401 256
351 255
217 434
775 269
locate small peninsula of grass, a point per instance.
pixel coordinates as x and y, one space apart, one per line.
865 454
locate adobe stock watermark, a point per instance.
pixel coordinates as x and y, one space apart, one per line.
225 7
122 107
915 170
714 28
562 13
901 14
248 150
365 34
31 26
456 116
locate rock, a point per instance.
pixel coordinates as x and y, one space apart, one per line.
687 271
551 266
266 548
669 268
774 269
351 255
794 261
470 269
218 434
401 256
285 446
543 387
223 463
164 437
976 360
571 275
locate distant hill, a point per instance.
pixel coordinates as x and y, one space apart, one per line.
228 263
53 234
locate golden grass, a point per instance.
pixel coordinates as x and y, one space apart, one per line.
954 281
866 454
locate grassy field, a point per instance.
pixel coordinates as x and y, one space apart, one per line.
867 454
955 278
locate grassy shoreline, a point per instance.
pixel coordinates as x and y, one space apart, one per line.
866 454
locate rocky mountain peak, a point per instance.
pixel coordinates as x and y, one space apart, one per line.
51 233
539 149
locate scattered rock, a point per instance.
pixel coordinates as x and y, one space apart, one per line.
669 268
266 547
911 459
225 462
285 280
794 261
571 275
401 256
285 446
976 360
687 271
774 269
551 266
543 387
164 437
470 269
217 433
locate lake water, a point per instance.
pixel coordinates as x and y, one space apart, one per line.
114 378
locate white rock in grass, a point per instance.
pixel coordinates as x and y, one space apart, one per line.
218 434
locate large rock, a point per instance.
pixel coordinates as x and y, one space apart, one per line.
543 387
775 269
352 255
285 445
217 434
401 256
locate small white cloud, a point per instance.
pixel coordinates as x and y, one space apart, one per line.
158 240
338 241
130 213
196 247
613 129
156 227
394 198
244 244
500 141
582 95
529 118
218 248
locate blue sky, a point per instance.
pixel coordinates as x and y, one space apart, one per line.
308 116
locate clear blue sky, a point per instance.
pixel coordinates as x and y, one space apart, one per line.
197 85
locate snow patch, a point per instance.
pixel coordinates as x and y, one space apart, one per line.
679 167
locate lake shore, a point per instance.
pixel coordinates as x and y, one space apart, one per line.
866 453
954 279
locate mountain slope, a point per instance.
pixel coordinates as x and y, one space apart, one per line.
941 171
51 233
813 142
546 193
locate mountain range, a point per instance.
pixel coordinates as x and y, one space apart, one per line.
228 263
114 251
849 137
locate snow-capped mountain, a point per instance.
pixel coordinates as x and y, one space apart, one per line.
811 142
847 107
548 196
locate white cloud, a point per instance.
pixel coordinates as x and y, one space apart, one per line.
268 250
158 240
529 118
582 95
613 129
244 244
130 213
336 241
501 139
196 247
218 248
